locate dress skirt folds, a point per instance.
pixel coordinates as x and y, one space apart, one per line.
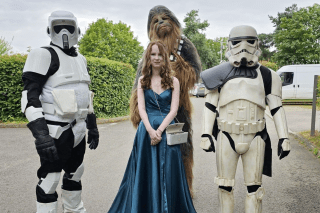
154 180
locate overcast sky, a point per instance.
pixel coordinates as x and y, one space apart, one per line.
26 20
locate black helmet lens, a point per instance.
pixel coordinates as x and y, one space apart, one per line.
58 28
238 41
235 42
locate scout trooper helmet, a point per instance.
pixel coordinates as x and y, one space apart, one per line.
63 29
243 47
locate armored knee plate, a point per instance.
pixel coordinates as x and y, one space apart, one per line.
50 182
254 201
226 201
47 207
76 176
223 182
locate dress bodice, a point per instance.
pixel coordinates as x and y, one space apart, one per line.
164 100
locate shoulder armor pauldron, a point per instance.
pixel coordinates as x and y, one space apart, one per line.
217 76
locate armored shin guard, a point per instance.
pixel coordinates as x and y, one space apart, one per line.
72 202
47 207
226 201
254 201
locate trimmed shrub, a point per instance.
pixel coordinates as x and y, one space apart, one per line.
11 86
270 65
111 83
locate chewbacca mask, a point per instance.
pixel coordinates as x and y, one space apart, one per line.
163 25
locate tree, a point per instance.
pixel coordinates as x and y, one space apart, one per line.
288 13
298 38
267 40
5 46
104 39
265 43
217 46
194 31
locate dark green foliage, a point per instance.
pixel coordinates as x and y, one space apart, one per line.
265 43
110 81
288 13
11 86
297 36
194 31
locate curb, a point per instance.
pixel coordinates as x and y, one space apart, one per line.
307 143
99 121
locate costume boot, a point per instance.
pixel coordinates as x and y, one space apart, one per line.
254 201
226 201
72 202
47 207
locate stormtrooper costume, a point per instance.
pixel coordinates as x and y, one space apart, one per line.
233 119
58 105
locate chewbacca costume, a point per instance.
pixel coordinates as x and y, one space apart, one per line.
185 61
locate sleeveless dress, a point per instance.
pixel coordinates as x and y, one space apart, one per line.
154 180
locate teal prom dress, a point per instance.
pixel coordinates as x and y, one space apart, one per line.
154 180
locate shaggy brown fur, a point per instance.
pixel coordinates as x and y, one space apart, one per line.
164 26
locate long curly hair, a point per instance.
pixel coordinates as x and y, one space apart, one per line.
165 72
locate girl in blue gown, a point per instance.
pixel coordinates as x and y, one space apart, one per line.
154 180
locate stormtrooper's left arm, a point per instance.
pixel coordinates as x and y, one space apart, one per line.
91 120
279 116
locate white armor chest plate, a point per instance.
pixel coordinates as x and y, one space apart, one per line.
71 70
72 76
242 105
244 89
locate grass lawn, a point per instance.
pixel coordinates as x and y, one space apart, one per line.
315 140
297 100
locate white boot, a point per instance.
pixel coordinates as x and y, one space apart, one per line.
254 201
47 207
72 202
226 201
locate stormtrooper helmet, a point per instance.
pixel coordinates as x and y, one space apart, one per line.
63 29
243 48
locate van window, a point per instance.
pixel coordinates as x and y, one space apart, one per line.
286 78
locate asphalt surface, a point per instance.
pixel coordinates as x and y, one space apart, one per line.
294 187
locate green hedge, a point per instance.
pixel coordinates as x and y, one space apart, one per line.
270 65
111 82
11 86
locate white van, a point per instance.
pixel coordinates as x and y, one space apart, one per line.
297 80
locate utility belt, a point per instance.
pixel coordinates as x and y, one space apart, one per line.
69 119
241 128
52 110
65 105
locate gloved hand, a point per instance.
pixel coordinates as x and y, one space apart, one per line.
207 143
93 133
44 142
283 147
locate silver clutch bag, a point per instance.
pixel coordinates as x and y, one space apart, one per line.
175 135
